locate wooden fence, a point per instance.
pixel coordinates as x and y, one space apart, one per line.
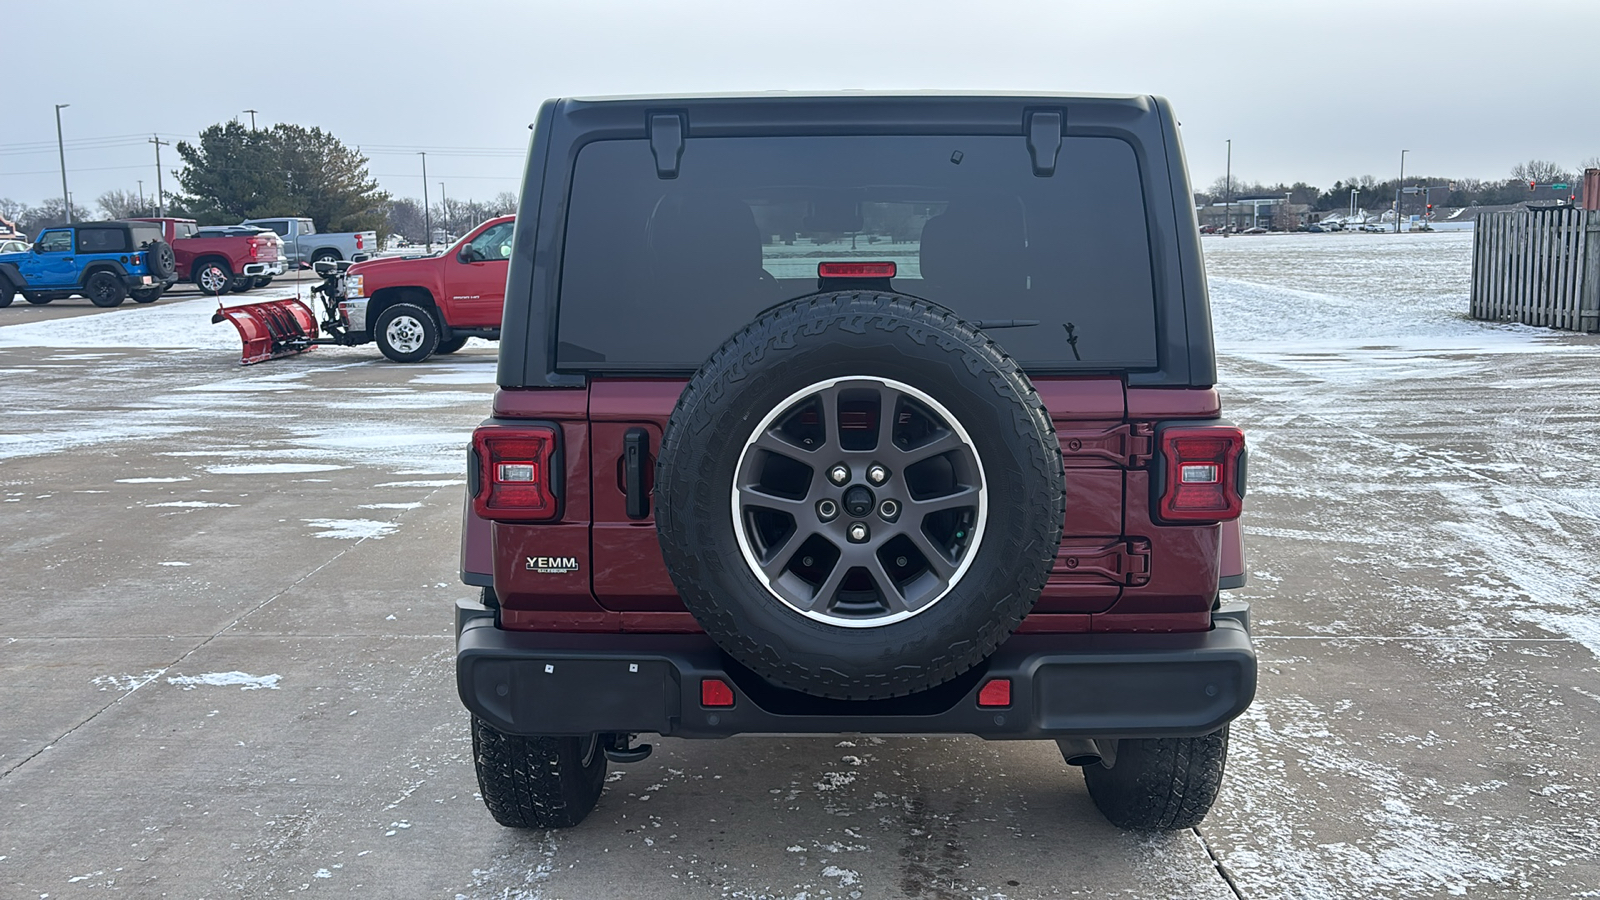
1538 267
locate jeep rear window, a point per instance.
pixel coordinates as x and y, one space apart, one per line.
102 240
656 273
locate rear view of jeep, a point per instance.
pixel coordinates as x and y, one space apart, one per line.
890 415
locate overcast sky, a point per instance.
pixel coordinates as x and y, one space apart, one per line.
1312 90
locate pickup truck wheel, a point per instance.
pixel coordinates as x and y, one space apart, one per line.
537 782
325 254
146 295
105 289
214 278
882 504
451 346
1159 784
406 333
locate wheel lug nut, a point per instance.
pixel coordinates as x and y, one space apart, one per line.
838 474
889 509
858 532
877 474
827 509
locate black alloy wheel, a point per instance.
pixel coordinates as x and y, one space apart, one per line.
105 289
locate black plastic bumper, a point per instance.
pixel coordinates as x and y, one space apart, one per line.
1083 685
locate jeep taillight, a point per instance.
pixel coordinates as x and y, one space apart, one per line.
515 473
1201 474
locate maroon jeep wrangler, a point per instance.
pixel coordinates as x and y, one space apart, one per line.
846 414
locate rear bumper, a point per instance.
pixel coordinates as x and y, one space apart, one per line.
255 269
1067 685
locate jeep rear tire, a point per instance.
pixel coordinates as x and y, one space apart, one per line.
859 495
146 295
1160 784
105 289
214 278
37 299
406 333
7 292
537 782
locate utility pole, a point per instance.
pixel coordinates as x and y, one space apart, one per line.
141 194
61 148
252 119
444 209
1227 193
160 194
427 217
1397 190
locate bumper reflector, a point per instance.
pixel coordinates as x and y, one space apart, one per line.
715 692
997 692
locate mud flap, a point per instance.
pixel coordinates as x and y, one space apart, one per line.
271 329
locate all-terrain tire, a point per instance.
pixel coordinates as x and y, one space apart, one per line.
537 782
105 289
1160 784
146 295
871 336
7 292
406 333
37 299
451 346
163 264
214 278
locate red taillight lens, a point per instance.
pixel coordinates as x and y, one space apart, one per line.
361 241
255 248
996 693
1201 471
855 270
715 692
515 481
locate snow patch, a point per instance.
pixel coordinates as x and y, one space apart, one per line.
242 680
351 529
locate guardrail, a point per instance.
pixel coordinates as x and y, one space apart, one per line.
1538 267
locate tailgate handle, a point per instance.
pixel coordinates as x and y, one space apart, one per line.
635 452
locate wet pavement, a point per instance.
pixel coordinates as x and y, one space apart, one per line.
225 600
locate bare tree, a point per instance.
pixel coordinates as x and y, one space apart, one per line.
125 205
503 204
1540 171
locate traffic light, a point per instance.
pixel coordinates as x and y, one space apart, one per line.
1430 209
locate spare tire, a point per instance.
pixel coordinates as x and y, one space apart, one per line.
859 495
163 264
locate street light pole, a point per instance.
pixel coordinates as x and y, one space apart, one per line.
61 148
1397 190
444 208
427 217
1227 193
1355 194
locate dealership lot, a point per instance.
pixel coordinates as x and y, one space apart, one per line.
225 600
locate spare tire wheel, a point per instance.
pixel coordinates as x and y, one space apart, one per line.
859 495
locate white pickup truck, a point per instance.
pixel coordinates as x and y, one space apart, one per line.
304 245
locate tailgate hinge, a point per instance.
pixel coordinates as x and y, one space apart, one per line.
1125 562
1128 446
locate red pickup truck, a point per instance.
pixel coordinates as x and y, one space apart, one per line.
223 262
416 306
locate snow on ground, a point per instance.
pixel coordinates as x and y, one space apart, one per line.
167 323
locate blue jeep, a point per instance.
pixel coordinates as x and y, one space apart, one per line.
104 261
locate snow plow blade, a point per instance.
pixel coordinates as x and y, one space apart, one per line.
271 329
